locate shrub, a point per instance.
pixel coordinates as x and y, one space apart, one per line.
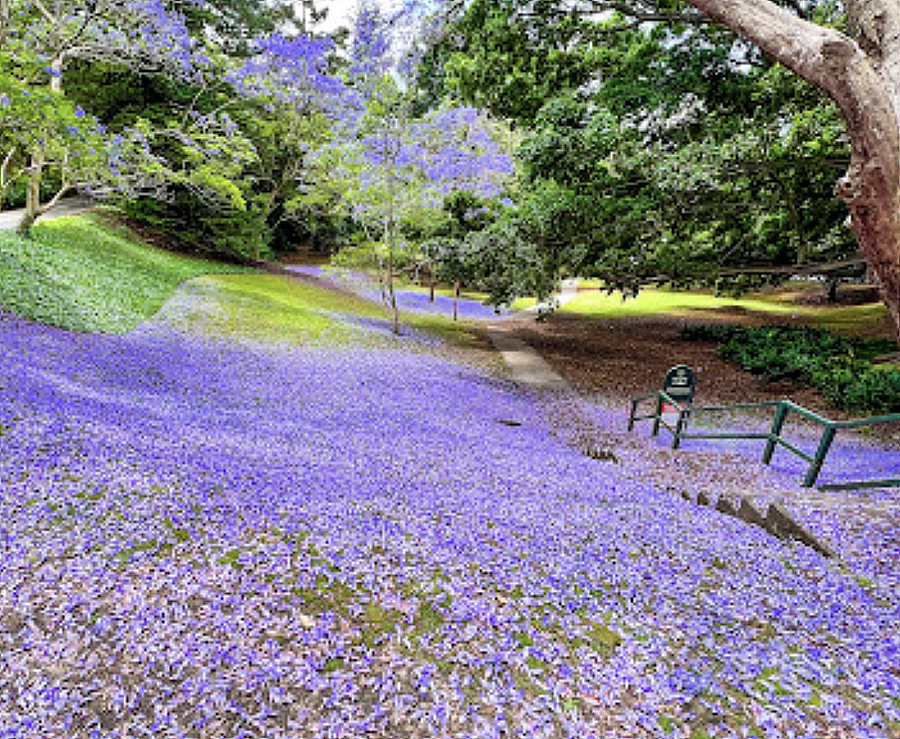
840 367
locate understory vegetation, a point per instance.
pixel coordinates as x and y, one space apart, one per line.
839 366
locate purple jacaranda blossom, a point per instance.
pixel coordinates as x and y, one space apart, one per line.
371 42
365 532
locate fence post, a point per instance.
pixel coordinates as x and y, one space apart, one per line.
816 467
634 405
679 428
775 432
658 418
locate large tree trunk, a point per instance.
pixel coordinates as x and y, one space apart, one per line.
862 75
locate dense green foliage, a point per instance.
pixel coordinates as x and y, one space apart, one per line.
83 274
657 153
196 118
840 367
243 204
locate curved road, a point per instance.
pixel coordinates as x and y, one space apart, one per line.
9 219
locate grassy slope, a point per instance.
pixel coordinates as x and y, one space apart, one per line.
294 311
102 276
81 274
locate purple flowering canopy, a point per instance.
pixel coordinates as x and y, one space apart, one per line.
444 151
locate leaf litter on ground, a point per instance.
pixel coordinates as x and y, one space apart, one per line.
207 534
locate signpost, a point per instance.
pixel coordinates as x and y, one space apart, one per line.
679 384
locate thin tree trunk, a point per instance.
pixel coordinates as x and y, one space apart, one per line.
802 242
4 21
56 77
390 228
32 194
5 178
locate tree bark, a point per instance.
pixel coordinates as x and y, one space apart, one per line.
390 228
5 16
32 194
6 176
862 75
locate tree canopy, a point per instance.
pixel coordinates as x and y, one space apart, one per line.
665 151
702 85
654 140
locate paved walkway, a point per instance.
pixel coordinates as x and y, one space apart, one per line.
9 219
526 366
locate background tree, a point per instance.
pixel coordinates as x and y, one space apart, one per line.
39 44
190 115
857 70
849 62
391 170
271 109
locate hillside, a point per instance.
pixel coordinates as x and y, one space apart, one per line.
260 513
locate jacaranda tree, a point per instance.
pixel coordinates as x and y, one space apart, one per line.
189 142
393 170
46 132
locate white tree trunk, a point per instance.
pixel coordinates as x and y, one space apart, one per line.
5 18
862 75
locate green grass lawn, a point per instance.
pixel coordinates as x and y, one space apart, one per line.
291 311
278 308
652 301
83 274
767 307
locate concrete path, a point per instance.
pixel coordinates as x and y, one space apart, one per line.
9 219
525 365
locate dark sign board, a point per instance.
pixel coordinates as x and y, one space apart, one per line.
680 383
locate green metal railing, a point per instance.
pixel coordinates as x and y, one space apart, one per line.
773 437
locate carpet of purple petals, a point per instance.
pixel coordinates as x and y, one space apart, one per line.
204 538
414 301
